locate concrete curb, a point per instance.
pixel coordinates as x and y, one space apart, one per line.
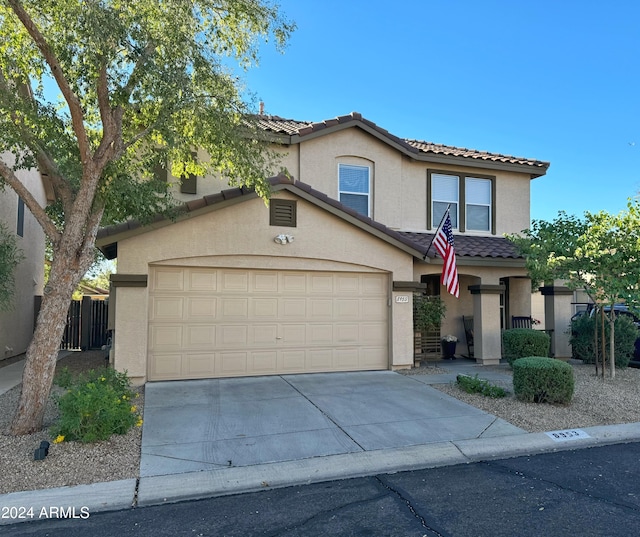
157 490
79 502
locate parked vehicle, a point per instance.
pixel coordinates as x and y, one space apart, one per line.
620 309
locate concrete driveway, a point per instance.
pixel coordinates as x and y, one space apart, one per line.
201 425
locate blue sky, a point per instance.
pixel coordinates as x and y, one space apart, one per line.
545 79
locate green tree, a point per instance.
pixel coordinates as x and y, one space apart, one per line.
599 253
10 256
141 83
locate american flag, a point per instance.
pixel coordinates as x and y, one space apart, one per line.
443 243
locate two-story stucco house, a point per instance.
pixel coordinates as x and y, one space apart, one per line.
322 278
16 325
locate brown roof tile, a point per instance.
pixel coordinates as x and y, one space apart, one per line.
292 127
468 245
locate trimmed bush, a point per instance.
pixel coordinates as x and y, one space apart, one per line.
625 335
522 342
538 379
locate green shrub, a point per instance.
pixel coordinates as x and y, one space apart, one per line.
625 335
521 342
538 379
476 385
96 405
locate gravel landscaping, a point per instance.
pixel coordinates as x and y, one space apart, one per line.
596 402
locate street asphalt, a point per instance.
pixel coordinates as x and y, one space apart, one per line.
207 438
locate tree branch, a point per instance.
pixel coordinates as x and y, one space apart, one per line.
45 163
77 115
36 209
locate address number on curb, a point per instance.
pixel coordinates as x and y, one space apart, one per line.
567 434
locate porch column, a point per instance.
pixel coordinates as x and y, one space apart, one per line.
557 318
487 337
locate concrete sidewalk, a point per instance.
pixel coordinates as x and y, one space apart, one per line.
228 436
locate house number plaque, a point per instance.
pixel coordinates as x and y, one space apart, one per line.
402 299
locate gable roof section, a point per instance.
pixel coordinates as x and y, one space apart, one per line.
108 237
468 248
291 131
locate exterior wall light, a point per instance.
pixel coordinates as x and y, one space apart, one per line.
283 239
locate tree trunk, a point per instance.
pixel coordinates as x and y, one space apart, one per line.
612 362
42 352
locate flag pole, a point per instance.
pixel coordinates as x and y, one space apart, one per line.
424 257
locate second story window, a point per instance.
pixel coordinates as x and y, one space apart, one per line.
445 192
478 200
354 187
472 199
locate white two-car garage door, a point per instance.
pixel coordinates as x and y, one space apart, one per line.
206 322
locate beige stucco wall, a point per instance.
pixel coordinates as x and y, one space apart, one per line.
16 325
399 184
240 236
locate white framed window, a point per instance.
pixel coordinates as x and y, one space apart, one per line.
354 187
478 203
445 192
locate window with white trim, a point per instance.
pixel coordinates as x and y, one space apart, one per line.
445 192
354 187
478 203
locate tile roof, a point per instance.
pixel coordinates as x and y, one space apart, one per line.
469 245
291 127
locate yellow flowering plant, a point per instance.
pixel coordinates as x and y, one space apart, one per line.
92 409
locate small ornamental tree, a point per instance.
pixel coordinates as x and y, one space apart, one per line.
141 84
599 253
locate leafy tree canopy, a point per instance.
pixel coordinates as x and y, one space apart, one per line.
599 252
140 83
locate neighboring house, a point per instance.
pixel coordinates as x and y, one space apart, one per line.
323 278
16 325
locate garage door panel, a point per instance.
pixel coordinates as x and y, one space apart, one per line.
263 363
199 364
320 360
201 308
320 309
294 308
234 281
264 282
373 333
233 336
374 309
199 280
263 335
264 308
293 334
166 366
168 279
166 308
347 308
165 337
232 364
320 334
237 322
294 283
346 359
347 333
200 337
293 361
234 308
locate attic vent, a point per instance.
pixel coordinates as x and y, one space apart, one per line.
282 213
